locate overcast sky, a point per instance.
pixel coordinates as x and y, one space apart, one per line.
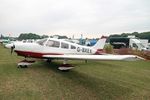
74 17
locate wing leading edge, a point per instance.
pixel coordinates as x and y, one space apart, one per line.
96 57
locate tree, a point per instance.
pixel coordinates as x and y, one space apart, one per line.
108 48
44 36
25 36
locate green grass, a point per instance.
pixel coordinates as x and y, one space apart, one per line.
96 80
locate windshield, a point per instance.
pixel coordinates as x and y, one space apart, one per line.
52 43
41 42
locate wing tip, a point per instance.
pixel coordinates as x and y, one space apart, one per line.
134 58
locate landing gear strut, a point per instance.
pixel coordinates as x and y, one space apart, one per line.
49 60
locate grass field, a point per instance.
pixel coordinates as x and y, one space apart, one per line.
96 80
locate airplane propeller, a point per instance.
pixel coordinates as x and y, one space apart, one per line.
12 48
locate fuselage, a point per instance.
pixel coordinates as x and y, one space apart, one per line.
52 46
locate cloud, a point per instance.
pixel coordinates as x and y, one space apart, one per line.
70 17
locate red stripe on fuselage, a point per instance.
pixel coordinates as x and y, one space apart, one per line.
34 54
99 52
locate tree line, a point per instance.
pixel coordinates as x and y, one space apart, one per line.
142 35
24 36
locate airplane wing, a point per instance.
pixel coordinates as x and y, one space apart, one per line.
96 57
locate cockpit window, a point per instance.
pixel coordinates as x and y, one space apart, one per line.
41 42
64 45
52 43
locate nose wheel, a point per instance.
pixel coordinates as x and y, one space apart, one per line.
25 63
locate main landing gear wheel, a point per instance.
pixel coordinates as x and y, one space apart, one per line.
22 66
65 67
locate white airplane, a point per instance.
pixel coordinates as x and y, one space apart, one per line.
4 41
9 45
52 48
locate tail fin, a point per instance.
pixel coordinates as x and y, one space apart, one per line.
100 43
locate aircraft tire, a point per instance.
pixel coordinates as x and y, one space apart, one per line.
22 66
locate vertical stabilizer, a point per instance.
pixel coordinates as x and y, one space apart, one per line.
100 43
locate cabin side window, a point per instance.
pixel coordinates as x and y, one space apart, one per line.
52 43
73 47
64 45
41 42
